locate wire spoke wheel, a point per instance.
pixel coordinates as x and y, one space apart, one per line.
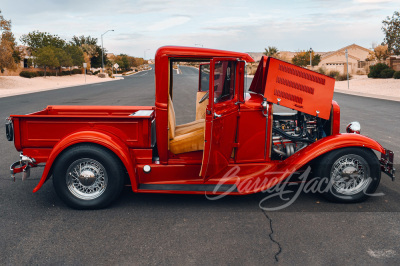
350 174
86 179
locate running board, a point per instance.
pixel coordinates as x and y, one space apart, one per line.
190 187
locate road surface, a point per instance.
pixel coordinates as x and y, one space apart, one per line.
190 229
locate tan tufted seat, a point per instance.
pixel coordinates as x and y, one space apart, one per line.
187 137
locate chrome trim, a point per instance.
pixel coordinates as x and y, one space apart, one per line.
387 165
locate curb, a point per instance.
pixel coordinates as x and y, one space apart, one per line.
368 95
137 72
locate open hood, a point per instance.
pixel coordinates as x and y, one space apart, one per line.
294 87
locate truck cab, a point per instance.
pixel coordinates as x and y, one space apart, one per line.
236 143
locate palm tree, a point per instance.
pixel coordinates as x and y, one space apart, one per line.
271 51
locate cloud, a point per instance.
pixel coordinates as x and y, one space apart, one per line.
373 1
168 23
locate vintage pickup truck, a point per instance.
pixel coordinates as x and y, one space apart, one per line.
237 144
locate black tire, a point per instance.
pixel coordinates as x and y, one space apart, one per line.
100 172
353 165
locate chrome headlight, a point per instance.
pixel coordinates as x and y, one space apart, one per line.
354 127
9 129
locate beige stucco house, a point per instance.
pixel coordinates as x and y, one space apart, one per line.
336 61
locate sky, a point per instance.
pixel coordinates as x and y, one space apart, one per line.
141 26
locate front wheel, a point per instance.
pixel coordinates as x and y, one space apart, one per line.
88 177
348 175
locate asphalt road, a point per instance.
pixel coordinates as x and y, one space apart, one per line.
185 229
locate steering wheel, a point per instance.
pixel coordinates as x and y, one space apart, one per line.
205 97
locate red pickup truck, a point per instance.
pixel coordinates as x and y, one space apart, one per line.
237 144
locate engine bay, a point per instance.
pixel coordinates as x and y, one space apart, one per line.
292 132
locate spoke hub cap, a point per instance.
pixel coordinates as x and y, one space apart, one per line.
86 179
350 174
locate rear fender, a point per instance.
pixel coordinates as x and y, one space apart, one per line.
286 168
110 142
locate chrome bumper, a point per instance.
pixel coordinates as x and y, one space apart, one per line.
24 165
387 163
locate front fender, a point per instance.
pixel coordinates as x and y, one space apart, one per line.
282 170
106 140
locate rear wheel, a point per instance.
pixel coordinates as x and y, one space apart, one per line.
349 174
88 177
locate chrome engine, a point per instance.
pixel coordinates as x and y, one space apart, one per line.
292 132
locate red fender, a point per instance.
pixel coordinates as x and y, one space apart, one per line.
108 141
276 174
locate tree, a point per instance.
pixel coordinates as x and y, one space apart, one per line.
37 39
64 59
271 51
45 57
391 29
76 54
79 41
9 55
380 53
303 58
95 61
90 47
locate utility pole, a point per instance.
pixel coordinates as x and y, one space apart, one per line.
310 57
102 52
347 66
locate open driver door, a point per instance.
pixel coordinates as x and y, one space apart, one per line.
226 86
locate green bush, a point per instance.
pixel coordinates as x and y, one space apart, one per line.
27 74
396 75
96 72
375 70
386 73
76 71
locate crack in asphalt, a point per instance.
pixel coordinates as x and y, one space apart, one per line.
270 235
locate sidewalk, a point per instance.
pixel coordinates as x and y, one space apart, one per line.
15 85
386 89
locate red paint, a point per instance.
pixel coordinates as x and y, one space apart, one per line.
241 136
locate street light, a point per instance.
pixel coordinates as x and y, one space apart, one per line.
310 57
102 52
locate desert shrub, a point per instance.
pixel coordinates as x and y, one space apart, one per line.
96 72
333 74
341 77
27 74
101 75
386 73
375 70
321 70
396 75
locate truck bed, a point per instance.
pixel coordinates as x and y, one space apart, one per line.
43 129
